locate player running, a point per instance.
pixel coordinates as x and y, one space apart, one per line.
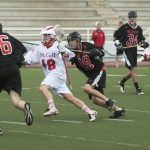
11 56
88 60
49 54
127 38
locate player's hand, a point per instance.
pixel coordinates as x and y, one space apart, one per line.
118 45
61 48
144 44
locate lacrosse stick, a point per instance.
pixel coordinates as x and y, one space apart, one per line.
78 51
59 36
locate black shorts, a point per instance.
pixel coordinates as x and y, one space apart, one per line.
101 83
10 78
131 58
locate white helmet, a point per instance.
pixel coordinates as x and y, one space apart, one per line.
50 32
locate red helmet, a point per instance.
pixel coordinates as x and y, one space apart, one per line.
48 36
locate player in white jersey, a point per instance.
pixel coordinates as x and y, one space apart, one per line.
49 54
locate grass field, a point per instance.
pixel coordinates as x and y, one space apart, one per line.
71 130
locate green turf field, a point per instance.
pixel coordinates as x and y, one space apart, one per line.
71 130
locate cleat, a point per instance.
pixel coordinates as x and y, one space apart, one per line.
49 112
111 104
122 87
139 92
1 132
92 116
118 114
28 114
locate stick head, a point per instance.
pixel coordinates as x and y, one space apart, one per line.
59 32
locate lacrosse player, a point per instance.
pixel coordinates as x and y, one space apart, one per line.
127 38
11 56
49 54
88 60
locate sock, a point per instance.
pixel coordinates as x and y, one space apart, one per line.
107 102
136 85
86 109
124 80
51 103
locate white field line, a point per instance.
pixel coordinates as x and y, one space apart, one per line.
120 75
39 102
120 120
65 121
11 122
68 121
89 140
141 111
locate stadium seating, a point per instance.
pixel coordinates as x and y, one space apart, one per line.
25 18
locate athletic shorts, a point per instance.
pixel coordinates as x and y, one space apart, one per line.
58 85
10 79
130 58
98 79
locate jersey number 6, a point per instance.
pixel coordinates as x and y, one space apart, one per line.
5 46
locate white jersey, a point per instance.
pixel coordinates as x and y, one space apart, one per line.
52 64
50 59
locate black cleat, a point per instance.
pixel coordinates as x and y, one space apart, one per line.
28 114
1 132
118 114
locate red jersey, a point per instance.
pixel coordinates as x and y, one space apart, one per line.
98 36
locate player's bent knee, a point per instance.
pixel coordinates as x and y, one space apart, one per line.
68 96
87 88
42 88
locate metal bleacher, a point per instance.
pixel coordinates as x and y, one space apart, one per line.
25 18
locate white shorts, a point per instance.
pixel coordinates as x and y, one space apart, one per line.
56 84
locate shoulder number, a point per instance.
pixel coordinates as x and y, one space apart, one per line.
5 46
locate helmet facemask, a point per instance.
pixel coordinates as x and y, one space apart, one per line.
48 36
74 40
132 15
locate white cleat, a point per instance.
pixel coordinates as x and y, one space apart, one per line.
122 87
92 116
139 92
50 112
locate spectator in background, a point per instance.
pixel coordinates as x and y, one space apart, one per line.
98 36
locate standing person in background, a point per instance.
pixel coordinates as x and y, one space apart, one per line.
11 57
127 38
98 36
118 52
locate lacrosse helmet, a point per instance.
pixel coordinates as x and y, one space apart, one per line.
132 14
48 36
74 36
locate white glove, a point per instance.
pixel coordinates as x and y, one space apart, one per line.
118 45
62 48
